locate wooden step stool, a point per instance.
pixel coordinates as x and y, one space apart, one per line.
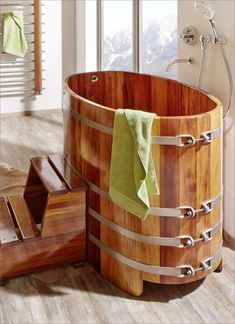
45 226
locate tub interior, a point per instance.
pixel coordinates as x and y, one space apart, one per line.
162 96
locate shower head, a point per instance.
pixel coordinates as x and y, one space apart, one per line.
209 13
205 9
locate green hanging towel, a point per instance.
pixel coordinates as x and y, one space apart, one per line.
132 172
14 41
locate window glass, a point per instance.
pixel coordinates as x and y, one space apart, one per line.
117 35
158 37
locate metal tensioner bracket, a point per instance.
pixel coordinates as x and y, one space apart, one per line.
206 265
206 207
206 137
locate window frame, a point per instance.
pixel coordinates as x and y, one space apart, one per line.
135 34
97 22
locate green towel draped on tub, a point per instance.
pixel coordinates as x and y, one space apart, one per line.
13 34
132 173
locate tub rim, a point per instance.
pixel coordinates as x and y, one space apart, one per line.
219 105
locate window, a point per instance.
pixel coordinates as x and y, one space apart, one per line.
116 35
158 34
131 35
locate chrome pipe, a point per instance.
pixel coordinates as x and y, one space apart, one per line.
16 82
25 24
29 52
19 91
12 82
26 14
16 73
12 64
29 43
26 33
16 5
22 75
188 60
26 4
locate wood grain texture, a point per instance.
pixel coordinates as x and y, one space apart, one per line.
37 46
38 254
8 233
185 174
60 215
23 217
81 295
47 175
64 213
72 181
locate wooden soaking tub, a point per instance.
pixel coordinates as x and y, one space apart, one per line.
180 241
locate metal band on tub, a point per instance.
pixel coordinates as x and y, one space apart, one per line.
180 271
181 212
182 241
181 140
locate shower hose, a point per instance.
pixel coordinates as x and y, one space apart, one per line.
229 73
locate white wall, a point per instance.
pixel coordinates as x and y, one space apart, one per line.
214 81
68 37
51 97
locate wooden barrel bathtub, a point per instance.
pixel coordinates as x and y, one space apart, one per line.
180 240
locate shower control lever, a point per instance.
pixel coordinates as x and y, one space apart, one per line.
188 35
188 60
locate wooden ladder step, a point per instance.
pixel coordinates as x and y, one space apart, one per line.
8 233
71 179
24 219
48 176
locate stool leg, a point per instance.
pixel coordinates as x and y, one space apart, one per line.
219 268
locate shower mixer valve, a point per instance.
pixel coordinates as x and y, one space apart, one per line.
188 35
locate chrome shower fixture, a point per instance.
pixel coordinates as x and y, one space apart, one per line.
205 9
209 13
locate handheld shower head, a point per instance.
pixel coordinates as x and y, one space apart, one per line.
204 9
209 13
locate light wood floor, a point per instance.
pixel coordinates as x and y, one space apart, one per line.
81 295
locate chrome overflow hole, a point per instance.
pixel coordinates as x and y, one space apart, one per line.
94 78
